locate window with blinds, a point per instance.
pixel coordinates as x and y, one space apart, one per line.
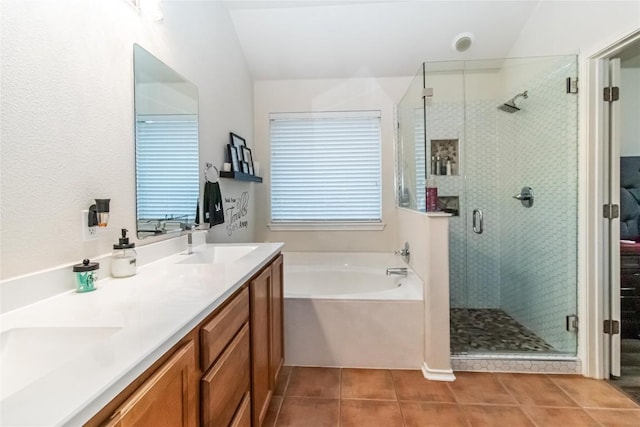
167 167
326 167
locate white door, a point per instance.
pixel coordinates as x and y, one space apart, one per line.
611 73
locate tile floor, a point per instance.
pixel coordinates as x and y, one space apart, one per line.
474 329
309 397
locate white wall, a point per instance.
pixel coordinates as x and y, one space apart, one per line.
630 110
566 27
67 116
329 95
428 238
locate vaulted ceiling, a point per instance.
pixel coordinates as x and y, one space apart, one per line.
343 39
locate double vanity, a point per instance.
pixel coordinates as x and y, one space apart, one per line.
190 340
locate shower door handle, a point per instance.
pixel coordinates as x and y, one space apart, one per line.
478 226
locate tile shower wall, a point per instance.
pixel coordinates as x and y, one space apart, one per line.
538 249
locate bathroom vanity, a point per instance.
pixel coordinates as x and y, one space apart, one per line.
190 340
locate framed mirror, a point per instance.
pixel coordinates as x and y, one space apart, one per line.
166 129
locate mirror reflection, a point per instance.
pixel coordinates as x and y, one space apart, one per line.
166 126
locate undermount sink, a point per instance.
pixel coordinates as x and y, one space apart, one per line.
217 254
28 354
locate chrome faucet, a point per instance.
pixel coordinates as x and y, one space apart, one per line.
397 270
189 243
188 228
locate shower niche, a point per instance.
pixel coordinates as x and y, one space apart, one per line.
444 157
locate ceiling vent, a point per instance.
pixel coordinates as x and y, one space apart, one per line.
462 42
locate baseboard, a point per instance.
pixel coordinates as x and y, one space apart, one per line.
437 374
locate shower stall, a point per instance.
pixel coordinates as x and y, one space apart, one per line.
499 140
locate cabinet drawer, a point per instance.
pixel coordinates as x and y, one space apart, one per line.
243 414
224 386
219 331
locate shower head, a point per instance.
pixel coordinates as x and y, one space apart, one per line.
510 105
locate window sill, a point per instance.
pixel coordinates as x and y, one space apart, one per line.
323 226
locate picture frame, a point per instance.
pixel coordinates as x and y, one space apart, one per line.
247 156
245 167
233 158
238 142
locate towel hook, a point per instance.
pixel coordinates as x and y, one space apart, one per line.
206 176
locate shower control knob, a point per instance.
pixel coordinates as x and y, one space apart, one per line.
525 196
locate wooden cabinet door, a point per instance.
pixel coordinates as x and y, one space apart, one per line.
260 349
167 398
277 332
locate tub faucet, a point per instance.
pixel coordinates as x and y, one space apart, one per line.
397 270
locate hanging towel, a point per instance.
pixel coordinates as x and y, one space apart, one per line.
212 209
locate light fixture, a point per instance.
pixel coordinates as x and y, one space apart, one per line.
99 213
462 42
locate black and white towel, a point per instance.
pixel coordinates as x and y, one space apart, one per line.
212 209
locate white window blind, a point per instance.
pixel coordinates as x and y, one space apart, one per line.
326 167
167 167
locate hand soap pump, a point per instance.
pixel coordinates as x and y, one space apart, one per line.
123 260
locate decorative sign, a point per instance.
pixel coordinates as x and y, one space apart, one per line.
236 209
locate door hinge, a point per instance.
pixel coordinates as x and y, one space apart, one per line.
611 211
611 93
572 323
427 92
611 327
572 85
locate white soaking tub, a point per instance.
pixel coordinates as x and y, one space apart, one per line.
342 310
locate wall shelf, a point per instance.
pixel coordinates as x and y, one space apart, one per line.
240 176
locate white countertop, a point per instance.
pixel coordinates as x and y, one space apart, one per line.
133 321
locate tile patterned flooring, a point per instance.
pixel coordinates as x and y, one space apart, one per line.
310 397
475 329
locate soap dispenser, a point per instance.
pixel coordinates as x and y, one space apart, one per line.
123 260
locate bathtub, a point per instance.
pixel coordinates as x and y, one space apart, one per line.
342 310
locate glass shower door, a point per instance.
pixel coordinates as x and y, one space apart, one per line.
521 263
513 249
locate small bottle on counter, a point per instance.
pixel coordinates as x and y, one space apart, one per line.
431 195
124 258
449 168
